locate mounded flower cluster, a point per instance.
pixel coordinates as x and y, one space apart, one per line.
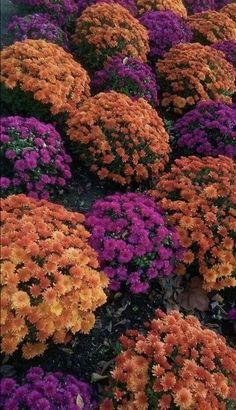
50 282
38 26
165 29
34 70
33 158
62 11
46 391
127 76
121 35
229 50
177 6
230 11
175 364
209 27
209 129
133 241
196 6
198 198
130 5
119 139
192 72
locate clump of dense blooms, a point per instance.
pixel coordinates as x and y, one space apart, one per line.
127 4
209 129
165 29
198 197
62 11
46 391
127 76
192 72
175 364
133 241
230 11
177 6
196 6
209 27
119 139
121 35
34 71
33 158
229 50
50 283
37 26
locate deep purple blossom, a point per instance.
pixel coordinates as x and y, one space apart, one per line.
208 130
197 6
133 240
221 3
127 76
228 47
166 30
38 26
28 165
127 4
40 391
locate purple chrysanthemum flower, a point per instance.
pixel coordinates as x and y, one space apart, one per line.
221 3
208 130
197 6
127 76
166 30
133 240
228 47
130 5
27 166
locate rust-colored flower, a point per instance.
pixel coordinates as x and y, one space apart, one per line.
119 139
192 73
230 11
198 196
177 6
57 284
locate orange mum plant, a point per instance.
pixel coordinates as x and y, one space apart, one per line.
50 283
211 26
175 364
107 30
193 72
39 77
119 139
177 6
230 11
199 199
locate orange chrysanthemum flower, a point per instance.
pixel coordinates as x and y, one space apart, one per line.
177 6
167 381
130 132
208 27
192 73
45 71
203 218
230 11
107 30
51 306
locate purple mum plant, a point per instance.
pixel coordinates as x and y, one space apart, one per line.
208 130
127 76
41 391
222 3
165 29
228 47
62 11
38 26
127 4
33 158
231 315
134 243
196 6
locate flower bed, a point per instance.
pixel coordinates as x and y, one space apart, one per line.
50 282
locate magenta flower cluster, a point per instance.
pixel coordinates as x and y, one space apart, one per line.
228 47
165 29
33 158
38 26
221 3
130 5
208 129
41 391
127 76
197 6
133 240
62 11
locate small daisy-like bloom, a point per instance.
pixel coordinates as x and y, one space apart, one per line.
183 398
20 300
